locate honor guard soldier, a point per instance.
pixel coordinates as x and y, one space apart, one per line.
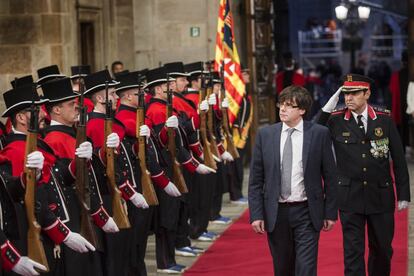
168 211
128 88
365 140
54 210
190 123
241 128
225 156
201 191
121 249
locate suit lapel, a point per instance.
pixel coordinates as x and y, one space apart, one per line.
307 140
277 131
353 126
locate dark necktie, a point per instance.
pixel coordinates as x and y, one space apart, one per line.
361 124
287 165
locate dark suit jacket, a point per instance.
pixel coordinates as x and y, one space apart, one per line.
319 175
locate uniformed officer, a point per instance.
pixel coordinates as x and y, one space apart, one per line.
365 139
122 249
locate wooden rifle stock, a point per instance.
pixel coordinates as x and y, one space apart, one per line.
228 136
147 188
118 211
82 179
208 156
210 127
35 250
177 178
225 119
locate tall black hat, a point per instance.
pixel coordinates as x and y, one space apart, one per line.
127 81
176 69
48 73
80 71
58 90
20 98
195 68
156 76
96 81
216 77
23 81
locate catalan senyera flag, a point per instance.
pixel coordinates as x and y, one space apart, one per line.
226 53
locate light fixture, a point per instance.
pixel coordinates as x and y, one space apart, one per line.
341 12
363 12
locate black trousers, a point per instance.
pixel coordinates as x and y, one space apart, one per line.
218 190
294 242
164 247
200 204
182 235
235 176
380 235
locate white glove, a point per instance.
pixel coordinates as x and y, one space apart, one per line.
333 101
212 99
172 122
78 243
144 131
203 169
172 190
112 141
84 150
139 201
204 105
26 266
226 156
402 205
225 103
35 160
110 226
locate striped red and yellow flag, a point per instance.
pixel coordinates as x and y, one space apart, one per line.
226 53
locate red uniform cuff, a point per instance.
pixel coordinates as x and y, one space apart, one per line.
127 190
221 148
57 232
100 217
161 180
191 165
196 149
9 256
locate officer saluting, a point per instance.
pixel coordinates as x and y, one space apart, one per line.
365 138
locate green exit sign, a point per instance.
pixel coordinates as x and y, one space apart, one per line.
195 31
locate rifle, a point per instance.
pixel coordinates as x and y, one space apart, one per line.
82 176
208 156
35 250
227 134
178 178
210 123
147 187
118 211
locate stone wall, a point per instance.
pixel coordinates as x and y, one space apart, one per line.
140 33
162 30
33 34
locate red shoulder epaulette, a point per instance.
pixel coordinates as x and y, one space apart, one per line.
382 111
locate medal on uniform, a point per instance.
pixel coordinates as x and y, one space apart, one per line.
379 148
378 132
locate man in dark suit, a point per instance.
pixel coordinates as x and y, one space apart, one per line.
364 140
292 195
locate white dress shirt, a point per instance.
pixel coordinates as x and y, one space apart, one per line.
297 184
364 117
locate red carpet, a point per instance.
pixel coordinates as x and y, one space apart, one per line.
241 252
